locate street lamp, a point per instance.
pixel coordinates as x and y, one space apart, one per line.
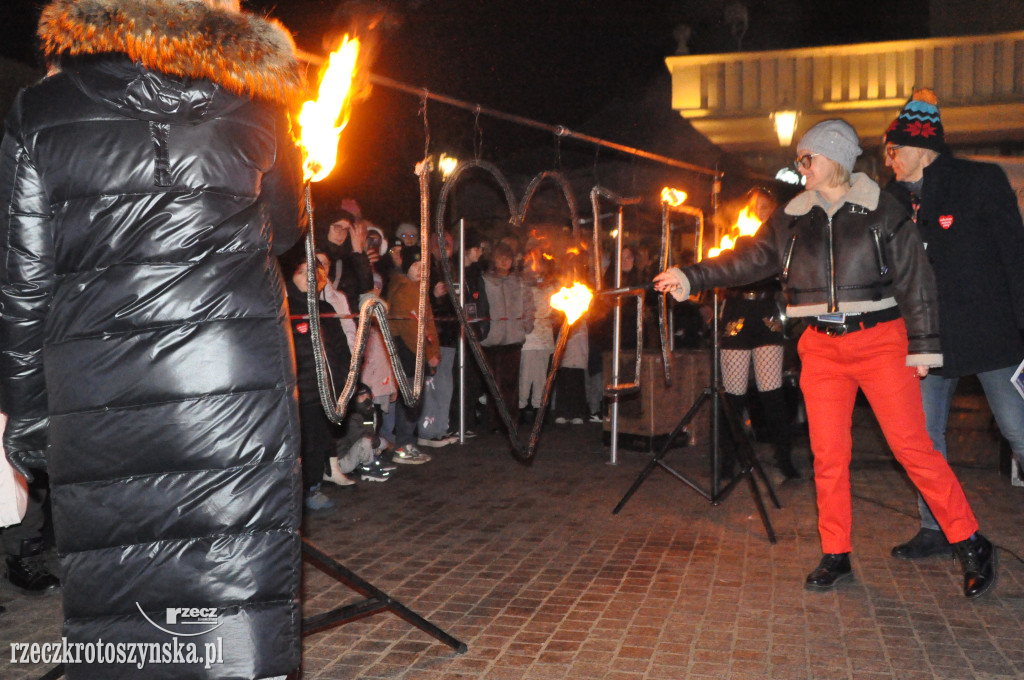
447 165
785 125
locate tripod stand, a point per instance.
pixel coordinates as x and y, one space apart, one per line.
749 465
376 601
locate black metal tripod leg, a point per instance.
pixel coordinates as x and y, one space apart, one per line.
745 451
761 510
656 460
748 459
377 600
756 464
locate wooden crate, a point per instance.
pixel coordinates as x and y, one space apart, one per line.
647 416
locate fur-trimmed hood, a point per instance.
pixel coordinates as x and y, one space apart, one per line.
243 53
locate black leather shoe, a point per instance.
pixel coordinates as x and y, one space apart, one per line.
977 556
27 572
831 570
925 543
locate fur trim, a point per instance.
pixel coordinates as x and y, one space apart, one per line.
243 53
863 191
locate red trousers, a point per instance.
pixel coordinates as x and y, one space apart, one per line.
873 359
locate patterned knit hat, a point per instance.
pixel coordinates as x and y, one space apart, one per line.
918 123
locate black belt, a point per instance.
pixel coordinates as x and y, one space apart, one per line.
855 322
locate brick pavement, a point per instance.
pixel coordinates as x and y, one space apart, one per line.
528 566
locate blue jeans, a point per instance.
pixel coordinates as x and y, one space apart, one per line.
1004 400
437 397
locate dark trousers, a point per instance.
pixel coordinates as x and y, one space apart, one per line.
504 363
571 394
316 442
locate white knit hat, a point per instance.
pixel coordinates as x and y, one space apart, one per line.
835 139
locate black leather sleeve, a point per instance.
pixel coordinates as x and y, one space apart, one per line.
753 259
913 278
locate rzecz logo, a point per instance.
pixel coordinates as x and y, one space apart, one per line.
185 617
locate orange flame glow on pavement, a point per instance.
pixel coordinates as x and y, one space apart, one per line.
573 301
323 120
746 225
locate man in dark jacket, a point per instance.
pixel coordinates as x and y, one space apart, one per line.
969 219
148 183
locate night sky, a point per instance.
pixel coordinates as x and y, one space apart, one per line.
557 61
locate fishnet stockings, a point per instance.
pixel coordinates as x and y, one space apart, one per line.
767 368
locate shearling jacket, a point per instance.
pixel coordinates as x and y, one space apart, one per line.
146 185
971 224
861 255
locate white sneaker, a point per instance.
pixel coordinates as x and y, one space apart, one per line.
596 418
577 421
437 442
336 476
409 455
560 420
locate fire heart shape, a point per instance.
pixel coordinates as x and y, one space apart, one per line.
946 221
573 301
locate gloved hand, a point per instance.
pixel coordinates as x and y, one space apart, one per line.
25 444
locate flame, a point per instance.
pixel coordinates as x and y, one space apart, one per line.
747 224
323 120
573 301
547 256
674 197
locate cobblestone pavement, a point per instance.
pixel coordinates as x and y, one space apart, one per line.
530 569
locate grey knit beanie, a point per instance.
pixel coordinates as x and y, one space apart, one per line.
835 139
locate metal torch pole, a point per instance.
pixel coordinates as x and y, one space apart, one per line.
616 344
462 332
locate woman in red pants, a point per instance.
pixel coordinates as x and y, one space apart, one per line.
852 263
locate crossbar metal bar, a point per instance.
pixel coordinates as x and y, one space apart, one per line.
558 130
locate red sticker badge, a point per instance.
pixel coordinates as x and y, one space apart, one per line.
302 327
946 221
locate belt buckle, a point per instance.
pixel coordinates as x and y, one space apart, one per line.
836 331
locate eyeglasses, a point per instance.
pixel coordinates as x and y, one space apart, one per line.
891 150
805 160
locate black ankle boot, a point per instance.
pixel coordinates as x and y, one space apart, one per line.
977 556
925 543
27 573
832 569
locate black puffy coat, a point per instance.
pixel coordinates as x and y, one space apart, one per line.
977 256
145 338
